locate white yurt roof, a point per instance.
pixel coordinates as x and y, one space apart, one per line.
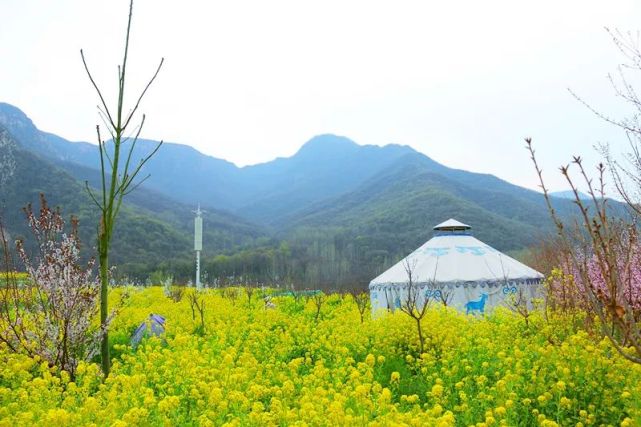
453 255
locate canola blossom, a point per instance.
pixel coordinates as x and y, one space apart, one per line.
283 366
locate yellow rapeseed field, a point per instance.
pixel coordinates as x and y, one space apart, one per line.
281 366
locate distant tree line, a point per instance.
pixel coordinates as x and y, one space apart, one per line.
309 259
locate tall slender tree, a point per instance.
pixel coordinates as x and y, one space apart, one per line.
118 172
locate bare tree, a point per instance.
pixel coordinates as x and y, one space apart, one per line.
518 303
230 293
118 175
414 305
197 304
250 288
176 293
319 299
362 302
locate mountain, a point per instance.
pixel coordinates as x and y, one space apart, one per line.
326 166
260 193
406 202
339 210
45 144
151 228
275 192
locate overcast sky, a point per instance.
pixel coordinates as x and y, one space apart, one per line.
248 81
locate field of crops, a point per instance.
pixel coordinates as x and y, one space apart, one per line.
285 366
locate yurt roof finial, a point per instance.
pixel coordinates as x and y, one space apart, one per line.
452 225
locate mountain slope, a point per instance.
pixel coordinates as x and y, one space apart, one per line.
32 176
150 228
325 167
272 193
401 206
174 172
46 145
223 231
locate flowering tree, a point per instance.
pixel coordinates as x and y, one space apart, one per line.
601 255
51 315
569 289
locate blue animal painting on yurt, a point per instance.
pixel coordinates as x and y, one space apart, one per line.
476 305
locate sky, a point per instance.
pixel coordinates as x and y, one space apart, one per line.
248 81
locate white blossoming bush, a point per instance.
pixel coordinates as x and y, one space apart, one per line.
50 316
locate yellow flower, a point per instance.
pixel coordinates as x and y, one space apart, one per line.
386 395
437 390
275 367
169 403
370 359
436 410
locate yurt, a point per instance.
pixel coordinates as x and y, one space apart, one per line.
456 268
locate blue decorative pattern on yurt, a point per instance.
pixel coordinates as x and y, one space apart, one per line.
474 250
436 251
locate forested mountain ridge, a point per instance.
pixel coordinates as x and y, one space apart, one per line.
410 200
324 168
151 228
341 211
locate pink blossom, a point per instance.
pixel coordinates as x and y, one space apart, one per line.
619 283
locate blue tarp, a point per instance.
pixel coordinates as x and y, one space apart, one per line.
153 326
